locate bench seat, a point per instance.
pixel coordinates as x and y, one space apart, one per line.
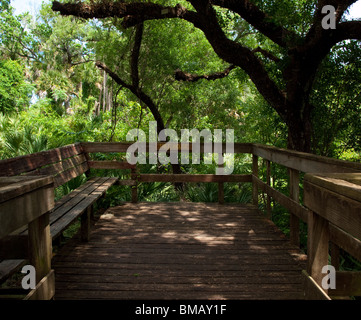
65 212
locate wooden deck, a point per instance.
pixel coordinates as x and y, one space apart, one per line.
180 251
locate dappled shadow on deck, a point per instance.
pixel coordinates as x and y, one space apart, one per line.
180 251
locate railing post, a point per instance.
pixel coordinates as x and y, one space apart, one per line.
40 247
221 186
133 173
317 246
220 193
294 195
335 255
254 183
268 181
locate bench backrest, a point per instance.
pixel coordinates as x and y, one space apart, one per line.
63 164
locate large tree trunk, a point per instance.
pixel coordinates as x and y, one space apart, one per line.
299 133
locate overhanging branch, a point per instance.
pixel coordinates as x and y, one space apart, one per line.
137 92
133 13
184 76
259 20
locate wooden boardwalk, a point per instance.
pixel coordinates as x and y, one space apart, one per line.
180 251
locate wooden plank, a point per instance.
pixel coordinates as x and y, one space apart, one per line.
14 247
122 147
74 194
176 295
343 212
45 289
126 182
312 291
305 162
12 187
146 278
291 205
197 178
345 241
60 224
110 165
338 184
348 283
56 168
70 174
22 164
9 267
75 197
24 209
176 249
354 178
92 147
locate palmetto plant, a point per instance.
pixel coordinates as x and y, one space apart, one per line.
17 142
208 192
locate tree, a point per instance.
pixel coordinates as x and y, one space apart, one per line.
337 93
15 92
53 50
283 71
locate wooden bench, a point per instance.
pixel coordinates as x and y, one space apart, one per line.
62 164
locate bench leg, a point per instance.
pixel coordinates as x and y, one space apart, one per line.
85 224
134 194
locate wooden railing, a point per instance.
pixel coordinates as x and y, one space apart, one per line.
313 212
321 227
28 201
330 205
335 216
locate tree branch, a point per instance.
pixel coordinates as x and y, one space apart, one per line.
266 54
183 76
133 13
81 62
259 20
137 92
316 31
112 74
347 30
238 55
135 55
